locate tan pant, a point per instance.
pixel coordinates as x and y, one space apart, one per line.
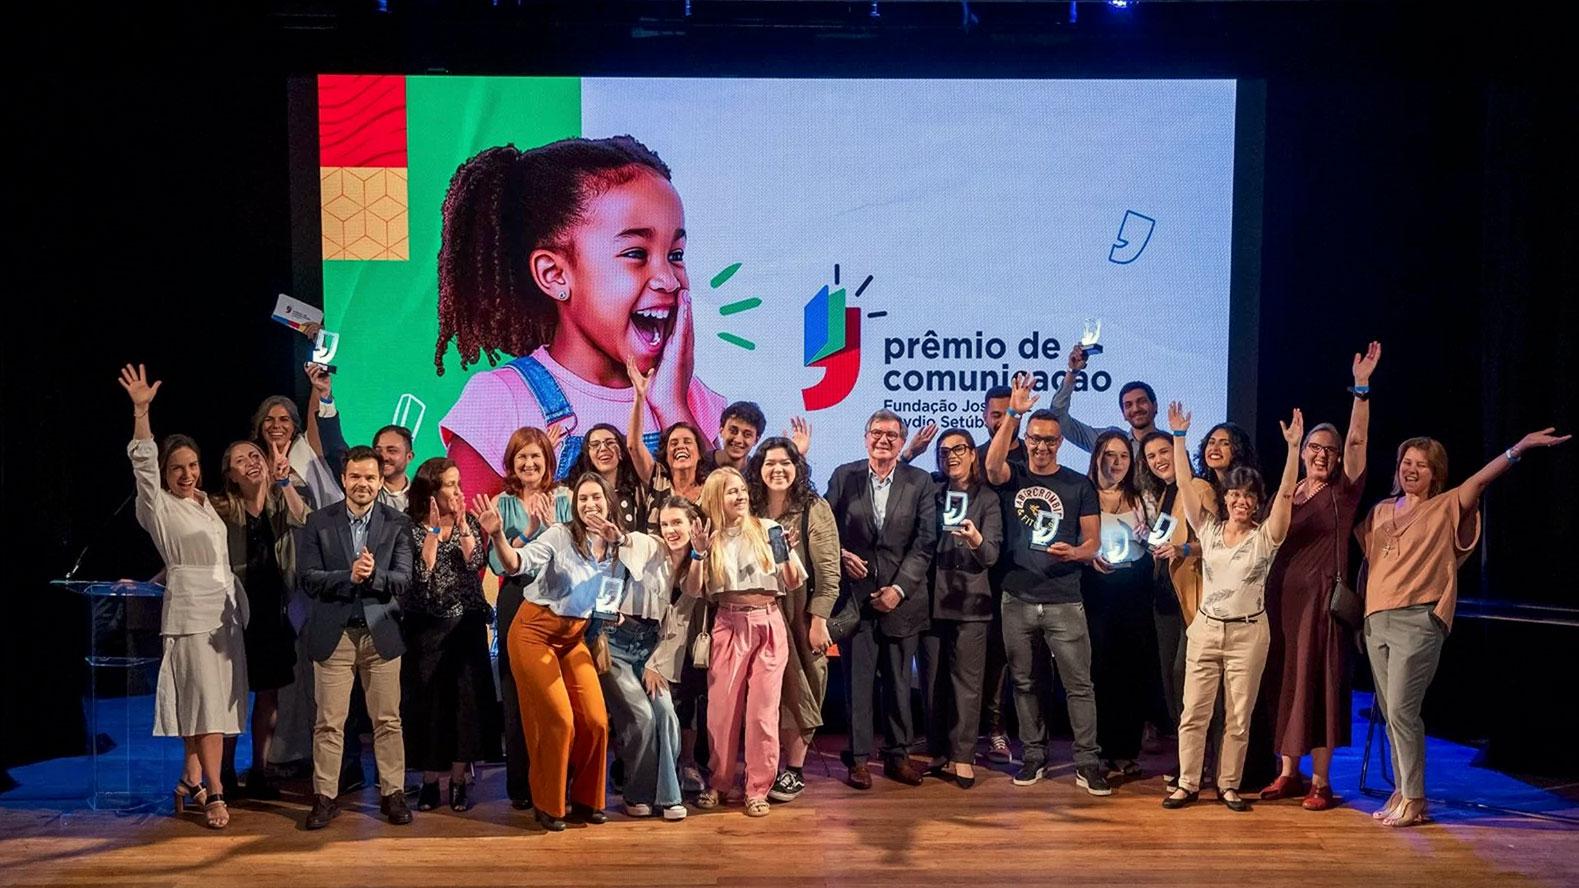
1232 654
332 680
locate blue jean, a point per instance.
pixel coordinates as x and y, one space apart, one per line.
646 728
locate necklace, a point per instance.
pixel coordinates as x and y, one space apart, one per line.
1307 490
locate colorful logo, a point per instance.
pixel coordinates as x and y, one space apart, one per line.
833 343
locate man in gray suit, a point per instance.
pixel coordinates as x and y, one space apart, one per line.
887 532
354 562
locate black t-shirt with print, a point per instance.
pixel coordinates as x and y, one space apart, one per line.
1035 576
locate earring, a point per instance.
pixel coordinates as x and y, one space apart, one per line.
563 296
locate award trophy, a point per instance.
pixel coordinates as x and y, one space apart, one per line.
1044 529
1089 336
955 502
1161 530
324 348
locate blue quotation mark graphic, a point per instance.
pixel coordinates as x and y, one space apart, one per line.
1134 233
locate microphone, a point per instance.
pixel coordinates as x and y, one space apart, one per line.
77 565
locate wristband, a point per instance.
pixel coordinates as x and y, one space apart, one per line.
1363 392
1184 550
328 400
697 556
283 483
1180 433
1511 456
435 530
1013 413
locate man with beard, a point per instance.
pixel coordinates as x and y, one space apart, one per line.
354 563
393 446
1136 399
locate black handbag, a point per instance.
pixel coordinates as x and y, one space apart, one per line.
1345 605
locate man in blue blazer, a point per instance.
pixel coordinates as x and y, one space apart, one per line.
354 562
887 532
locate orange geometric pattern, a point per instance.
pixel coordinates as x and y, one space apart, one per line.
364 213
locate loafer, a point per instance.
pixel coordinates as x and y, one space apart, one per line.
903 771
587 814
548 821
860 776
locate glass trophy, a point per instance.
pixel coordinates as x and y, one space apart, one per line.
610 591
955 502
1044 529
1161 530
1089 336
1117 543
324 348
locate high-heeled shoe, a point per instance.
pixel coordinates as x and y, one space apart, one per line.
459 800
217 812
194 793
428 796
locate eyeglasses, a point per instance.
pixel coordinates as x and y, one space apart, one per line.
1042 440
957 450
879 435
603 444
1313 447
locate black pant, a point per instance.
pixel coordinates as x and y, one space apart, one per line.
953 658
516 784
871 653
1123 651
995 674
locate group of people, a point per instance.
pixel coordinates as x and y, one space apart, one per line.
690 586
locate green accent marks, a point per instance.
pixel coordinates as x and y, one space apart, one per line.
741 341
723 276
835 339
740 306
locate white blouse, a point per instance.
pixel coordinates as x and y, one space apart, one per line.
567 582
201 593
743 568
1233 578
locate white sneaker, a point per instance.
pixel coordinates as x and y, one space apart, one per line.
674 812
637 809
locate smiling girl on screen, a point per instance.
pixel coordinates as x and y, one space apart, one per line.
572 256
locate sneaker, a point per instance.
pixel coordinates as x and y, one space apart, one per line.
787 787
1030 773
998 749
637 809
691 778
674 812
1092 780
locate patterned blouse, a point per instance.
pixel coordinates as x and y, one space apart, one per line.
1233 578
454 585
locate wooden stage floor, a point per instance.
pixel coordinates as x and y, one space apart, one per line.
994 835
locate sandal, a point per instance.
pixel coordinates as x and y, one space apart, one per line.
1403 818
757 808
217 812
185 792
1386 811
707 798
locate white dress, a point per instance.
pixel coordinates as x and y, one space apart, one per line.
203 677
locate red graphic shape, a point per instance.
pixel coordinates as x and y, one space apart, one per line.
361 120
840 369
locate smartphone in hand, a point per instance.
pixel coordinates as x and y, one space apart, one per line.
780 546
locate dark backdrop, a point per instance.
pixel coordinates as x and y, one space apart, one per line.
1418 190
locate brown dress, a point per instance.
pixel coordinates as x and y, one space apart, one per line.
1310 681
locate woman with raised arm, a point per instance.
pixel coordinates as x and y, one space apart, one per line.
682 462
562 707
1310 687
1413 544
1227 643
604 453
202 691
781 491
261 509
746 576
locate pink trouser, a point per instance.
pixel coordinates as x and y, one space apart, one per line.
744 681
